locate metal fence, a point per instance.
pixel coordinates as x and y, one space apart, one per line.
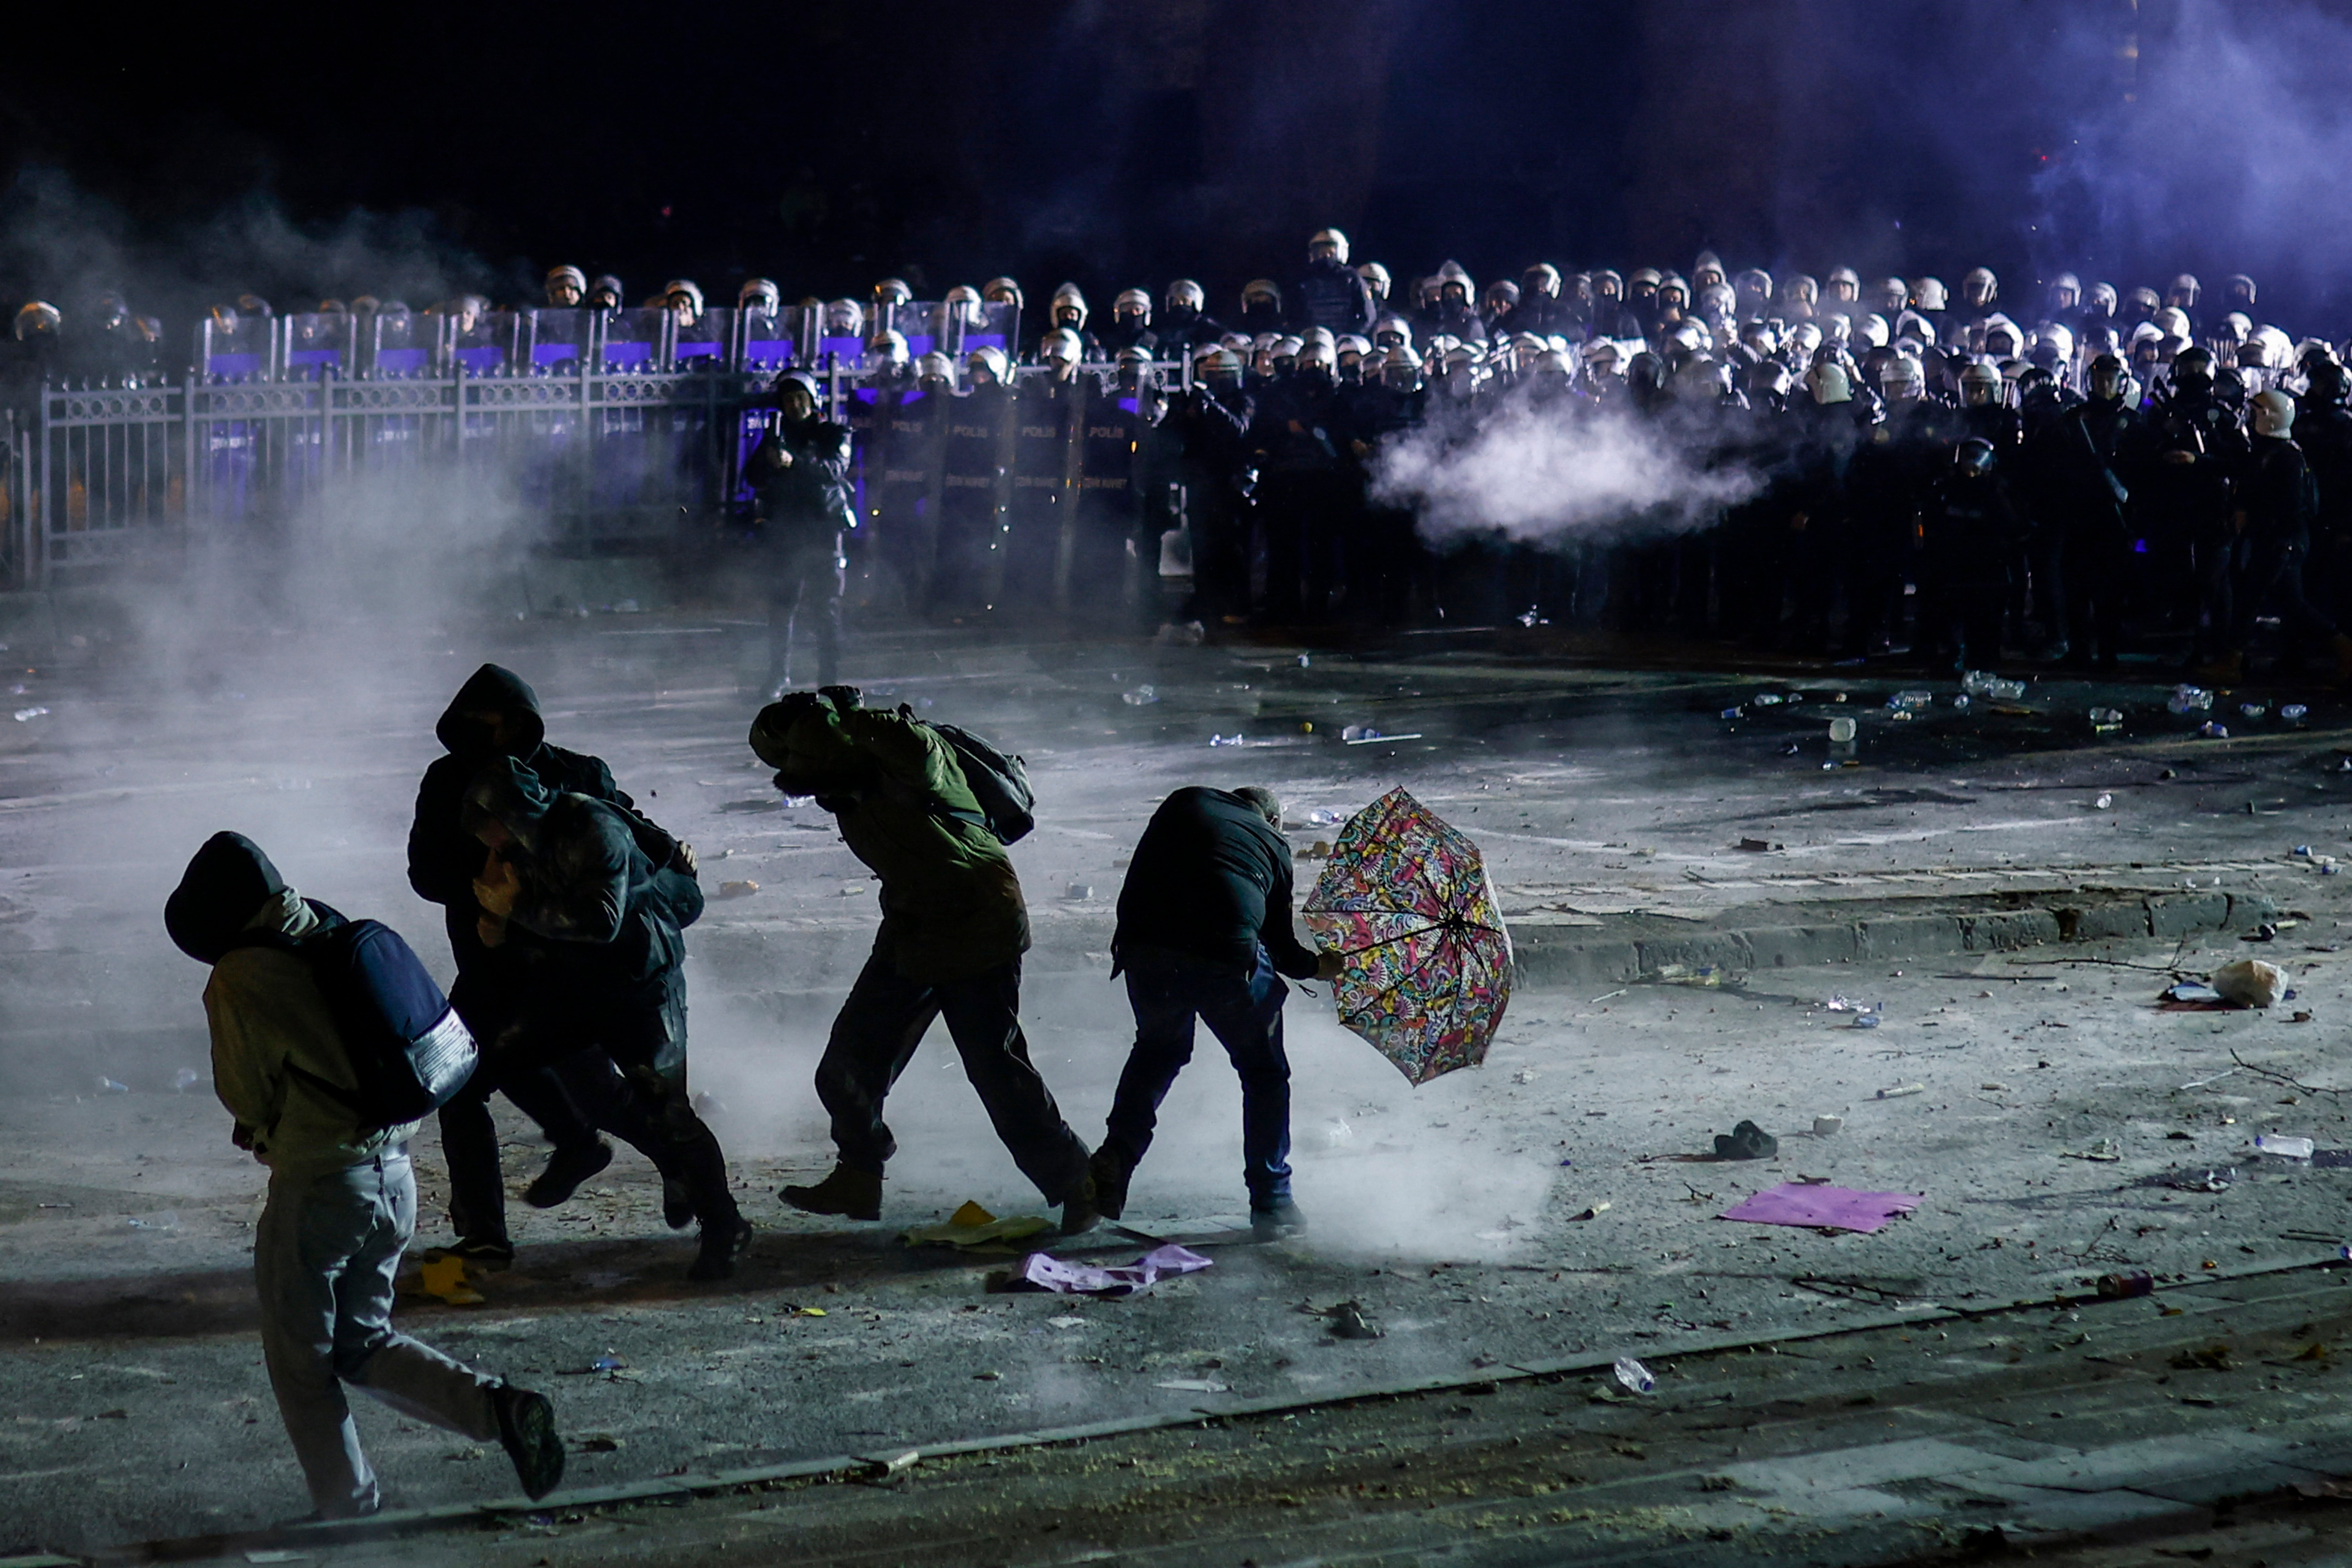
602 455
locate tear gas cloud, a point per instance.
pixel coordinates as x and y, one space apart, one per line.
1538 475
2226 149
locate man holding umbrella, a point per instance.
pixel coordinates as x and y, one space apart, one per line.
1205 933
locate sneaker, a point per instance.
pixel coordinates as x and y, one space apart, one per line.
722 1245
1080 1210
527 1430
1111 1168
566 1169
854 1194
1273 1220
677 1203
491 1253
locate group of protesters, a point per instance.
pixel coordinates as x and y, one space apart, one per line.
566 910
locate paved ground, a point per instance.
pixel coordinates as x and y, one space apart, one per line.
1611 803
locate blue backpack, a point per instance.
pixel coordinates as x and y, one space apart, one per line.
409 1052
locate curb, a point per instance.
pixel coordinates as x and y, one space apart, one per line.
856 1467
1615 960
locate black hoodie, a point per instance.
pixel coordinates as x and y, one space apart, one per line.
443 858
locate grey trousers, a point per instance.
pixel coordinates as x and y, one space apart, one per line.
324 1256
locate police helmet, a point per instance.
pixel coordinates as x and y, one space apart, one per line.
1543 277
2183 291
1828 382
990 359
1185 294
2273 414
1131 303
1376 278
1003 292
1061 344
801 379
1974 458
1929 294
1261 290
888 348
1333 238
893 291
759 294
1981 385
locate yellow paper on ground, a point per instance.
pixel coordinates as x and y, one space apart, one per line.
445 1276
974 1229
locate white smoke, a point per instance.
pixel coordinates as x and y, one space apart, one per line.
1537 473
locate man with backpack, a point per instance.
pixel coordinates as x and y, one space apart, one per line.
953 929
328 1042
495 715
599 932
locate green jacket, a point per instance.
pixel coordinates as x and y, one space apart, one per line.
266 1011
951 906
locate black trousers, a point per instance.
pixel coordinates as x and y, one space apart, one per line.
875 1035
805 584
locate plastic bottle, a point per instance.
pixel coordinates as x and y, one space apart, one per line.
2188 700
2104 721
2282 1147
1634 1375
1139 697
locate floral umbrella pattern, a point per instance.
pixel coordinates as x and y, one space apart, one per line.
1406 899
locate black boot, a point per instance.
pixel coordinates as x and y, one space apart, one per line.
854 1194
527 1432
1110 1167
723 1241
566 1169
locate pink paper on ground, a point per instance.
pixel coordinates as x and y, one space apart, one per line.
1120 1279
1839 1208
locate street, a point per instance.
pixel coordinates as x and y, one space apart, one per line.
1929 968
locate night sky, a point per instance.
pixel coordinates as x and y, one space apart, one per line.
826 143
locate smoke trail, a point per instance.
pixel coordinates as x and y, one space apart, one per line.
1537 473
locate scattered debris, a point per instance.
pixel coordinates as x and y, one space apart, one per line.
1346 1320
1593 1211
1745 1142
1902 1092
2188 700
881 1467
743 889
1818 1206
973 1229
2249 982
2107 1150
2120 1286
1848 1004
2207 1179
1759 846
25 715
1192 1384
1142 696
2280 1147
1044 1272
1078 892
1636 1377
1828 1126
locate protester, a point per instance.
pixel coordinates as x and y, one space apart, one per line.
496 715
1205 933
955 927
342 1193
599 932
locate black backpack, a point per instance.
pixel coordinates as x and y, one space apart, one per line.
408 1051
999 781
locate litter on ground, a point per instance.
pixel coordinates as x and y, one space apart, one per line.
1808 1206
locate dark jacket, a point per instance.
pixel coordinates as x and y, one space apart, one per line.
443 858
608 920
808 503
2276 493
1210 879
951 906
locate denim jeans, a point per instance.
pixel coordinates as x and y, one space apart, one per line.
323 1257
1169 991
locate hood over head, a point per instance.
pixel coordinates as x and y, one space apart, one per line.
227 883
493 689
511 794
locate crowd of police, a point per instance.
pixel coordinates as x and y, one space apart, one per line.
2102 470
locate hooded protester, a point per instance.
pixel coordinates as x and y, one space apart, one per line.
342 1193
599 929
801 469
955 927
1205 933
495 715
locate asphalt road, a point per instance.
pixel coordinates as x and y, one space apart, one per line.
1609 800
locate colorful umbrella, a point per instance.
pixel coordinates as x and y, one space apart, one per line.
1428 963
